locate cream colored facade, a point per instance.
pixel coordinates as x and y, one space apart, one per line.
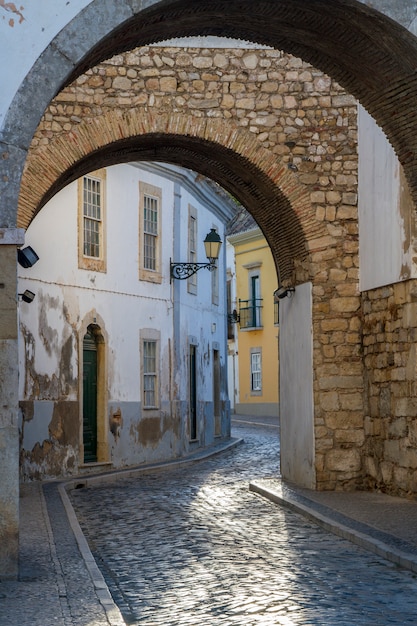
257 328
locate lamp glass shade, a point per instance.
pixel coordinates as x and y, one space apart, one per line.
212 244
27 257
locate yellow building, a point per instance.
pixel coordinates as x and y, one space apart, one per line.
254 316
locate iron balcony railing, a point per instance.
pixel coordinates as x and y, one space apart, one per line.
250 313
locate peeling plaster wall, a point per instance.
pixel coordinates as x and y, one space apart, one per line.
52 326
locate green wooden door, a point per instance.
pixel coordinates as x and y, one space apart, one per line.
90 398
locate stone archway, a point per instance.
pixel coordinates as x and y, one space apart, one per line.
371 56
284 186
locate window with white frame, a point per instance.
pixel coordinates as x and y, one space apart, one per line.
91 226
256 370
150 199
192 247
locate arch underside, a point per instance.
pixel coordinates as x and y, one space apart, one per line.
243 179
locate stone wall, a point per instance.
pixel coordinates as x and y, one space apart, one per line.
307 125
390 357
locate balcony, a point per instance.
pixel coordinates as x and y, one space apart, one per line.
250 313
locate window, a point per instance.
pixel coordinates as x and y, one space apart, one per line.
150 232
256 371
149 375
92 216
192 247
91 213
150 199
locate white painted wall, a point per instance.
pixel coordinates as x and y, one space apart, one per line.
296 387
124 306
384 236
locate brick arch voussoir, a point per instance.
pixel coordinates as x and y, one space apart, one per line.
47 164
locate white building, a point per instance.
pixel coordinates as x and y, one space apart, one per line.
120 364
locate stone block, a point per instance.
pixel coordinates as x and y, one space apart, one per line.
345 305
351 401
371 467
398 428
341 382
401 478
392 450
408 458
330 401
342 420
340 460
356 437
387 470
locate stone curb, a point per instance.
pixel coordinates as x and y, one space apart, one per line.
104 596
365 541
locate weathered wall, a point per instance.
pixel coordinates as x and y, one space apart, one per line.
390 357
69 298
9 488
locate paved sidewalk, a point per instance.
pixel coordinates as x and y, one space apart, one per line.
61 585
383 524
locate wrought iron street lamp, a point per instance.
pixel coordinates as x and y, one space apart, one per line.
212 244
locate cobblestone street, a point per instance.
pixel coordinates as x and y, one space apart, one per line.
195 547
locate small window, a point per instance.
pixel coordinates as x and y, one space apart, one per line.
256 371
91 222
149 374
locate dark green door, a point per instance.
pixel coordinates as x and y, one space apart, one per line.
90 398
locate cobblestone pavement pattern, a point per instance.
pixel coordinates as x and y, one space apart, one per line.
194 547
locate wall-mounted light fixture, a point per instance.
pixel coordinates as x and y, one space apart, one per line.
27 296
27 257
281 291
212 244
233 317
